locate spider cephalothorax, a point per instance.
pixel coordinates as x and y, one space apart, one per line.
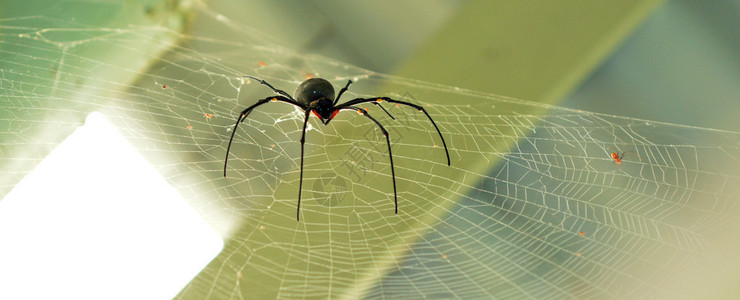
317 95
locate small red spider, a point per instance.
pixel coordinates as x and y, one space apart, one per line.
617 157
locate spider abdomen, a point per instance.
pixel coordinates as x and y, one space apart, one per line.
314 89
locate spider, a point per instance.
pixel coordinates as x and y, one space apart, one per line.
317 95
618 157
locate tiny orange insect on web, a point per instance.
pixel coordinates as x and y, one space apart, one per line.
617 158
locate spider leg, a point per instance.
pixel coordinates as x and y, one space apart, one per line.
300 184
388 141
243 116
383 108
344 89
279 92
381 99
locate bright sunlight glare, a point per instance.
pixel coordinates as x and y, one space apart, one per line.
95 220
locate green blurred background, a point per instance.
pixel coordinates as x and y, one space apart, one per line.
672 61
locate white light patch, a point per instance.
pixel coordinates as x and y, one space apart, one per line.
94 220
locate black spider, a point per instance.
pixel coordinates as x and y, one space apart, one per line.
315 95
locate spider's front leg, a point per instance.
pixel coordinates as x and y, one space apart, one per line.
245 113
300 183
344 89
277 91
377 100
388 141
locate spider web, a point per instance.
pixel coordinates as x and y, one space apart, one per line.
532 205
